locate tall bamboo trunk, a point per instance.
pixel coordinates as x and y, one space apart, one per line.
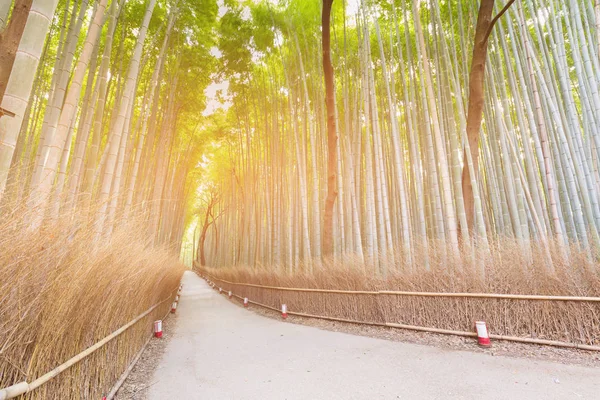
119 126
18 89
39 196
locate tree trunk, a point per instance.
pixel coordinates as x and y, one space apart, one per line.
476 102
331 131
9 41
20 83
485 23
207 223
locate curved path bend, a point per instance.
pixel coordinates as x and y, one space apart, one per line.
221 351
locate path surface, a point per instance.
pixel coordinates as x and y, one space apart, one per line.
222 351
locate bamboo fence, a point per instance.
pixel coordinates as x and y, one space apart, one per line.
26 387
377 299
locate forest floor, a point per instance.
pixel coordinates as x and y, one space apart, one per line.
217 349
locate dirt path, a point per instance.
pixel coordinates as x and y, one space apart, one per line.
220 350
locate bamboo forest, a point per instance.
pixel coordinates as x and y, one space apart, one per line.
408 163
408 145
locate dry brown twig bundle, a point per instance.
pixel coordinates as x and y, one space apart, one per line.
61 291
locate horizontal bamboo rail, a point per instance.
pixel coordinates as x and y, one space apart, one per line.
126 373
419 294
554 343
25 387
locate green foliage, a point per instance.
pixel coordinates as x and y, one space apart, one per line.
234 43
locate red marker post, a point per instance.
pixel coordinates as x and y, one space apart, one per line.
158 328
483 339
283 311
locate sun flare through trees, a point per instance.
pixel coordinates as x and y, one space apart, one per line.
457 126
424 145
